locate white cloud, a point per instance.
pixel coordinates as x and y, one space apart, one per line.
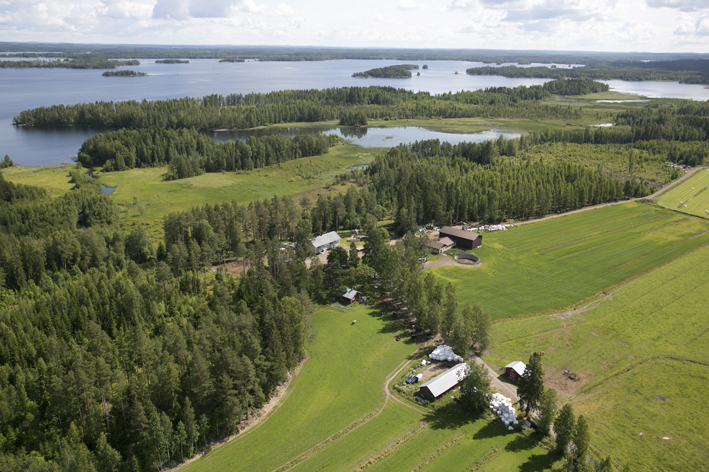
683 5
408 5
123 10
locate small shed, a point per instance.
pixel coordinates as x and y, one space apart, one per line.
441 246
326 241
515 370
351 296
445 382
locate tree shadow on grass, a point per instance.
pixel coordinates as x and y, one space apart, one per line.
538 462
491 430
519 444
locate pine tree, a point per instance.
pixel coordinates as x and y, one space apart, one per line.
531 384
564 427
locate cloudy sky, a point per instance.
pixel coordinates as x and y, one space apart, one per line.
597 25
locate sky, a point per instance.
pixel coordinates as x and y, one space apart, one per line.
564 25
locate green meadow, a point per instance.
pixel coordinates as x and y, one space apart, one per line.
691 196
145 198
335 416
642 357
555 263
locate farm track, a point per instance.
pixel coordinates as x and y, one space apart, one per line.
351 427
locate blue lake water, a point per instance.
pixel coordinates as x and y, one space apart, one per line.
22 89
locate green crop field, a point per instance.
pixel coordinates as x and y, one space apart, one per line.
642 360
693 192
341 387
552 264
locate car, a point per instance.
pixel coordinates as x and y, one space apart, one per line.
412 379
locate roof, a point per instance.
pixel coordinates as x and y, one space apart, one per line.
326 238
447 380
350 294
458 233
441 243
517 366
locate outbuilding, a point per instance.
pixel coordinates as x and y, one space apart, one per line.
441 246
325 242
515 370
351 296
445 382
462 239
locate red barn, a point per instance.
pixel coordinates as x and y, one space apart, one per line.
515 370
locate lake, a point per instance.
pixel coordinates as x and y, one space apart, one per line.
22 89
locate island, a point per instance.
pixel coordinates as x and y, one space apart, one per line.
399 71
124 73
171 61
232 59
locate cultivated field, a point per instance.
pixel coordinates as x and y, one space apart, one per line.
336 415
693 192
556 263
641 354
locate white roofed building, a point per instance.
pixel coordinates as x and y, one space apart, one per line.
447 381
326 242
515 370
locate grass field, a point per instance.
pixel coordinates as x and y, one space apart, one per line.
693 192
556 263
642 356
341 385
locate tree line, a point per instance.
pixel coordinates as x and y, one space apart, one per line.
575 86
77 63
603 71
237 111
188 152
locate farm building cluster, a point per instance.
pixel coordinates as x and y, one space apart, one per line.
452 237
443 383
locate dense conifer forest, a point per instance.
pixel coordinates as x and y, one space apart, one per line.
77 63
124 73
189 153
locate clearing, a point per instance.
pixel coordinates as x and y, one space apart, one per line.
338 415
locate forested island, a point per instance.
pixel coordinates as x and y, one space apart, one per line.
232 59
400 71
580 86
682 71
172 61
77 63
124 73
290 106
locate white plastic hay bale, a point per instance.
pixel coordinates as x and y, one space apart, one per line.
515 422
510 428
507 423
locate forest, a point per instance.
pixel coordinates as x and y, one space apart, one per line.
77 63
188 152
398 71
124 73
575 86
256 109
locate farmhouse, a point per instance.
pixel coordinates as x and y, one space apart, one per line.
462 239
447 381
326 241
515 370
351 296
441 246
